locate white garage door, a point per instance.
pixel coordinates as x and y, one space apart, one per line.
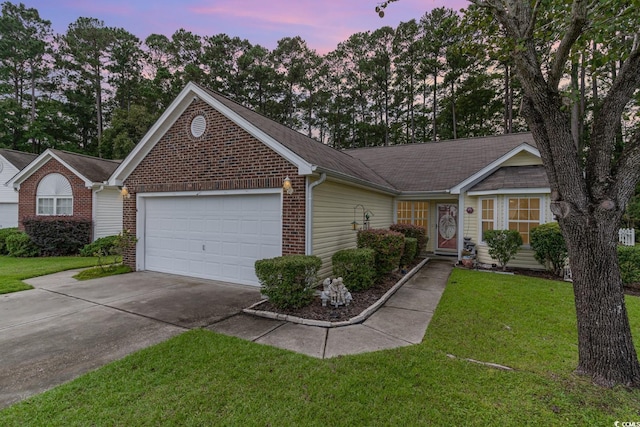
212 237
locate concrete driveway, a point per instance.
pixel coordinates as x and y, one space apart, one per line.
64 328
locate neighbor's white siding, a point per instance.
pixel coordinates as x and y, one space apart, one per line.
8 196
107 212
333 213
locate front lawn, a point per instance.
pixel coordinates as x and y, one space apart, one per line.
202 378
14 270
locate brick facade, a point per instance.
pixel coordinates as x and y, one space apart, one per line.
82 196
225 157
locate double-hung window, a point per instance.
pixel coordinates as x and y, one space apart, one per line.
487 216
54 196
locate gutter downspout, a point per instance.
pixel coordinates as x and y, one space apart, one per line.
94 203
308 227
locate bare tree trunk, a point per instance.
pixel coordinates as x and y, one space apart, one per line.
453 110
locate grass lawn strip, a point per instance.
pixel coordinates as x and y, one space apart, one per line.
14 270
202 378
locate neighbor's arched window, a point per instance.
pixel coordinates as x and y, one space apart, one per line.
54 196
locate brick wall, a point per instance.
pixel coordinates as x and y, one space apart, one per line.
82 196
225 157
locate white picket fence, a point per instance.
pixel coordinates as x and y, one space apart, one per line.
627 236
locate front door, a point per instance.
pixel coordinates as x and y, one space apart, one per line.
447 227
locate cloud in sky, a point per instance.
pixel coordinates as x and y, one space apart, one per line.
322 23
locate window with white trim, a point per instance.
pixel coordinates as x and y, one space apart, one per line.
54 196
487 216
523 215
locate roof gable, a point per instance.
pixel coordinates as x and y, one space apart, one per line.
307 154
91 170
18 159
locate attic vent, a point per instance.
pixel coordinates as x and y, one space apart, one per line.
198 126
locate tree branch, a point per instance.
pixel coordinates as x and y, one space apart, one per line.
628 169
576 27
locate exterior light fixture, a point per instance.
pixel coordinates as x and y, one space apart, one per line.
124 192
286 185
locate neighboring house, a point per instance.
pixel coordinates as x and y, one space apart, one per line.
208 197
63 184
11 162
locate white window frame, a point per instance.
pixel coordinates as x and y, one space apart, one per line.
56 188
480 219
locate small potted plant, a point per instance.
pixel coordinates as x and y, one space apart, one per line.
467 258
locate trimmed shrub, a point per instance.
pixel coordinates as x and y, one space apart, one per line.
357 267
503 245
4 233
56 237
629 261
414 231
20 245
549 247
288 281
410 251
100 247
389 246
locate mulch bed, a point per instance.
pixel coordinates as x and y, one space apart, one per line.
366 298
361 301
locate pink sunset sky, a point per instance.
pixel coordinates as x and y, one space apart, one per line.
322 23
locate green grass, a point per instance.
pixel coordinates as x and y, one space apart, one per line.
202 378
97 272
14 270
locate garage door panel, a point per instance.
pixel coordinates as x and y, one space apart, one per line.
215 237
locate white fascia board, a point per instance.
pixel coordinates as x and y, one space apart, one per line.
541 190
40 161
491 167
361 183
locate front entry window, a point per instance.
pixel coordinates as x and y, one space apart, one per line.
413 212
54 196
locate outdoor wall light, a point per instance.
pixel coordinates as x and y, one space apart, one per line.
286 185
124 192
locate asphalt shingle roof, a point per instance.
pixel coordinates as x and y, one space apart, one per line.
92 168
514 177
437 166
427 167
314 152
19 159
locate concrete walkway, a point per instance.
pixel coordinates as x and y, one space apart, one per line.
65 328
401 321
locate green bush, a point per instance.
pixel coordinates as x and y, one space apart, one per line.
288 281
503 245
58 236
629 261
410 251
414 231
549 247
357 267
20 245
389 246
100 247
4 233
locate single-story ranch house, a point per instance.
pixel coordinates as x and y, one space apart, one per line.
62 184
214 186
11 162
